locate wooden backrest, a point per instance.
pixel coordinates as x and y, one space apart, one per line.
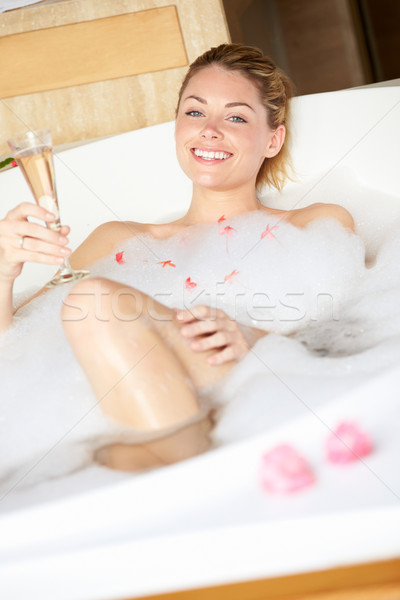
89 69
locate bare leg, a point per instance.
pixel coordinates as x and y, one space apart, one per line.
141 369
189 441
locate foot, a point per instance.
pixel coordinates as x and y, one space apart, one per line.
184 443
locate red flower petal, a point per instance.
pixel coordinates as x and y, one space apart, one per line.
119 257
189 284
222 218
164 263
268 232
230 277
228 230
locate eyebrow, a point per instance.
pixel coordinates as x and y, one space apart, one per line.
229 105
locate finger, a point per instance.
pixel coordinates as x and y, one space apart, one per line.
231 325
43 247
200 328
221 339
228 354
184 316
40 232
65 229
24 256
201 311
192 314
28 209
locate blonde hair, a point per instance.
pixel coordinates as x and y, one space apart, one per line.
275 90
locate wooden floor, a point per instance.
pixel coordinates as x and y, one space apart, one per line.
371 581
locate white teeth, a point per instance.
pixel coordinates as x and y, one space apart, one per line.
211 155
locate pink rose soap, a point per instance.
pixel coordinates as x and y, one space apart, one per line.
347 443
284 470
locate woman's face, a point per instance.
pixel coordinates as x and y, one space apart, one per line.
222 135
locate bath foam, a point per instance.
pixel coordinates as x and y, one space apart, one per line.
375 212
261 270
310 283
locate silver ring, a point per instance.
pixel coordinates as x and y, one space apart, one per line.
21 241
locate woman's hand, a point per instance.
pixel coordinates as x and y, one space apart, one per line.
212 329
22 241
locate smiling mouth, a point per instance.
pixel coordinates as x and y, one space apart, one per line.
206 155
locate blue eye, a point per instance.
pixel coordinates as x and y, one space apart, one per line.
236 119
194 113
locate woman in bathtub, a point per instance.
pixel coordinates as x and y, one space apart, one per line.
148 371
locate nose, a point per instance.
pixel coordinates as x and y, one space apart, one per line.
211 131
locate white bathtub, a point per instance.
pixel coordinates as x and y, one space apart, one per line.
104 535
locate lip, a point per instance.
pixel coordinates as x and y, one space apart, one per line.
210 161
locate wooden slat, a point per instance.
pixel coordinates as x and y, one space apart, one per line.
368 581
91 51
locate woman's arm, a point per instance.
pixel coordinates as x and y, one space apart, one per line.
42 245
22 241
101 242
97 245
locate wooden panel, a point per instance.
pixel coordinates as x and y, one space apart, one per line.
91 51
370 581
316 42
382 31
321 45
102 108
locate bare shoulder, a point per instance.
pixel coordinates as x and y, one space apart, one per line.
103 239
304 216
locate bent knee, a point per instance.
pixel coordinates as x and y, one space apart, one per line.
79 303
98 300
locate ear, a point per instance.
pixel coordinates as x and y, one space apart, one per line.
275 142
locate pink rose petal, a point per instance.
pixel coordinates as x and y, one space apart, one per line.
284 470
347 443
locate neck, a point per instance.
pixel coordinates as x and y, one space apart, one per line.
208 206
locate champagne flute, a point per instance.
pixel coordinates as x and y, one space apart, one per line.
33 152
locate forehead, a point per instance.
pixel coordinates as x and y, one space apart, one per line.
232 85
